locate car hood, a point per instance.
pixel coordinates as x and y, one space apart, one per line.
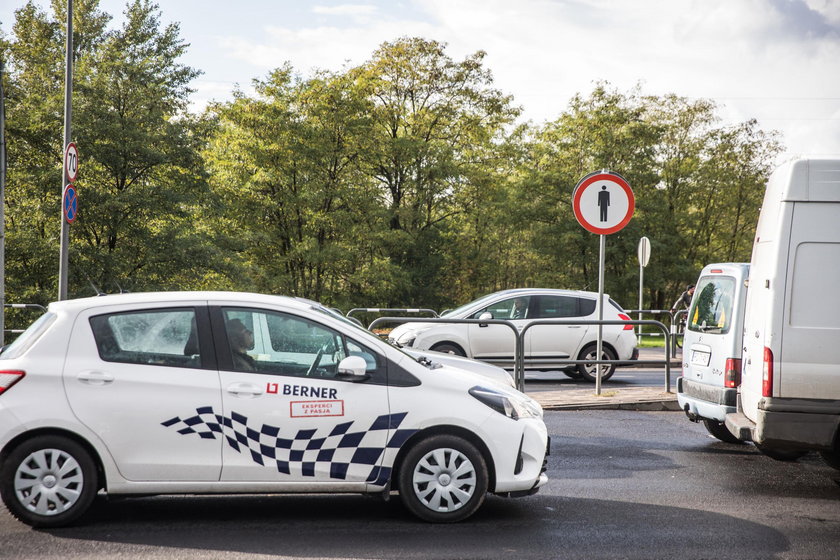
485 370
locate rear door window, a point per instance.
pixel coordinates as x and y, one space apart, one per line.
164 337
711 309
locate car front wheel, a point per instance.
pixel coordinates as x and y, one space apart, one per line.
48 481
443 479
449 348
589 371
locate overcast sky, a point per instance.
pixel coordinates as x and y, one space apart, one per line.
777 61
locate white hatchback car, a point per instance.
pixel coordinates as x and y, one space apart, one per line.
217 392
544 344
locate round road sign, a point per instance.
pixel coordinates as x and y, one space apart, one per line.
603 202
71 162
70 204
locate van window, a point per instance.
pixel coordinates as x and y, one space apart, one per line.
711 309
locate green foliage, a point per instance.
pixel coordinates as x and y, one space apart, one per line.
404 181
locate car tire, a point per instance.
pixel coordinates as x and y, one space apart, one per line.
449 348
831 458
48 481
573 373
443 479
588 371
718 429
786 455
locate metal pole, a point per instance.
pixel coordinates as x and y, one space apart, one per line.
602 250
2 209
68 93
641 283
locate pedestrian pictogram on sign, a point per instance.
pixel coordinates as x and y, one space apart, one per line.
70 204
603 202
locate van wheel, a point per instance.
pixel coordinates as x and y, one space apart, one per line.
448 348
48 481
718 429
588 371
443 479
781 454
831 458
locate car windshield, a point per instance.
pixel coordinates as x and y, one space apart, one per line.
466 307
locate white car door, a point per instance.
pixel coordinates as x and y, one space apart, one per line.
287 418
143 379
558 341
497 343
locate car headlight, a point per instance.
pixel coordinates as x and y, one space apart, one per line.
510 406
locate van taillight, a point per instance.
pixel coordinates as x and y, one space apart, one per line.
732 377
623 317
9 378
767 374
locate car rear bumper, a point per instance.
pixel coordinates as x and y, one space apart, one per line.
789 423
705 401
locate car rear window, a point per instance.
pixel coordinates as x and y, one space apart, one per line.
28 337
711 308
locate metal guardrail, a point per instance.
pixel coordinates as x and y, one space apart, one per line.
519 337
675 317
37 306
389 310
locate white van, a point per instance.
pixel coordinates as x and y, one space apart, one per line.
790 392
708 388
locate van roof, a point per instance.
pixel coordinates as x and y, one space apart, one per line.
810 180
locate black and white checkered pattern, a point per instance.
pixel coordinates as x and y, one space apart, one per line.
341 454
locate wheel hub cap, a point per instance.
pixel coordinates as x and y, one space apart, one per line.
49 481
444 480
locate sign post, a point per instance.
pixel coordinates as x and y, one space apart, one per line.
603 203
644 257
64 249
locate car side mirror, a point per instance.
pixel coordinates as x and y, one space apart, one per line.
486 316
353 368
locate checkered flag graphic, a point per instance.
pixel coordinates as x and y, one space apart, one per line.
342 453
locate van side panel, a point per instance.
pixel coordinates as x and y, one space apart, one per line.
809 361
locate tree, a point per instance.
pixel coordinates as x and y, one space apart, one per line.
141 181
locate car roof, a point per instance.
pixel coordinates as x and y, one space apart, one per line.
538 291
175 297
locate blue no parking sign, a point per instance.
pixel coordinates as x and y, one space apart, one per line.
70 204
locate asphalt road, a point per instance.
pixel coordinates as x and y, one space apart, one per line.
623 484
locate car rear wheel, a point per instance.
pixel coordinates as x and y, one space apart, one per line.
443 479
48 481
449 348
718 429
588 371
781 454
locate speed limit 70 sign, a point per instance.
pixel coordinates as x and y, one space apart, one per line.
71 162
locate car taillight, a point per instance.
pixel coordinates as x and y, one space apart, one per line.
623 317
732 377
767 374
9 378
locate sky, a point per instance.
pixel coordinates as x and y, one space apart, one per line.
777 61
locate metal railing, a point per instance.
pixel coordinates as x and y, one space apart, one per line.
389 310
37 306
674 322
519 338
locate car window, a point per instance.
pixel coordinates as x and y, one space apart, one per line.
556 307
513 308
711 308
28 337
165 337
264 341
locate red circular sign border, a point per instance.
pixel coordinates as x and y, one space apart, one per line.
615 178
71 180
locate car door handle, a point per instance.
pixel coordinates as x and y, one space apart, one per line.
575 326
245 390
93 377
